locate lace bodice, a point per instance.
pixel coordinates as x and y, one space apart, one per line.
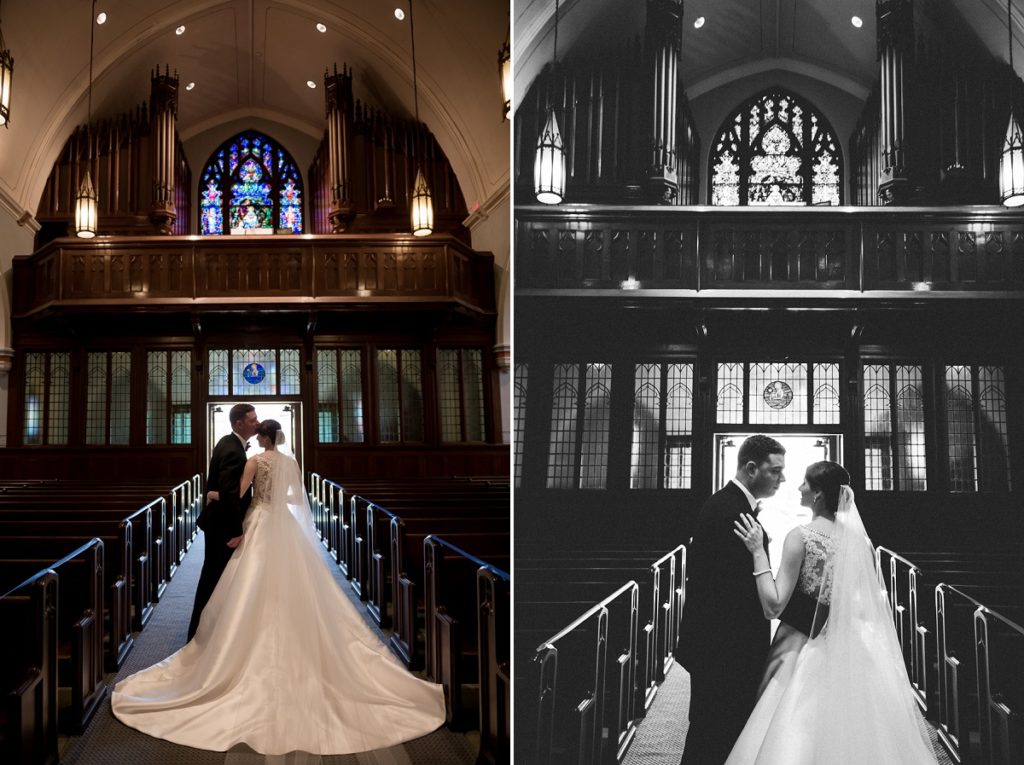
261 483
816 568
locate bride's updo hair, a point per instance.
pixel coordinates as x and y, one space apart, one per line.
271 429
828 477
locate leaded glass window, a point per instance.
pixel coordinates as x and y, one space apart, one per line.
47 398
662 453
251 185
399 395
108 398
251 372
976 429
776 149
580 420
520 380
339 395
894 428
777 393
461 394
168 397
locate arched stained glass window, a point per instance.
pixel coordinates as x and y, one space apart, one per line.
250 185
776 149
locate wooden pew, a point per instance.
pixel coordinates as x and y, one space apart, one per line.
494 627
28 672
148 519
597 652
451 613
79 624
999 653
39 538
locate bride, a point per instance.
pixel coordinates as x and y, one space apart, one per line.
281 660
835 687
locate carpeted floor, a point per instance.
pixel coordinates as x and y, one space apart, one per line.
660 736
109 742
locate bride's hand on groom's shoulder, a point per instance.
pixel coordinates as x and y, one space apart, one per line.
750 532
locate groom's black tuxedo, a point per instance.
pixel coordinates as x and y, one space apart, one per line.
220 520
724 636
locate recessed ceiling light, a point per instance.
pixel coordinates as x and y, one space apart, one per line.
310 84
101 18
190 86
857 21
321 27
698 22
399 14
180 30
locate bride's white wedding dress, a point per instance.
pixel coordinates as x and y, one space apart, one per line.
842 696
281 661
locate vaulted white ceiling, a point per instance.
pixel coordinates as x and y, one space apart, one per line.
742 38
253 58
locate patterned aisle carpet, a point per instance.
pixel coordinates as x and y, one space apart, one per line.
107 741
660 737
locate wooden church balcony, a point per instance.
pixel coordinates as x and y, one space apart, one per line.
175 273
805 254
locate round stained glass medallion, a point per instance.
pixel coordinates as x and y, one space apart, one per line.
778 395
254 373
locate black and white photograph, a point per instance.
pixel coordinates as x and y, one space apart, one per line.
768 271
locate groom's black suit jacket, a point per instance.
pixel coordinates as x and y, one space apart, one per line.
223 518
723 629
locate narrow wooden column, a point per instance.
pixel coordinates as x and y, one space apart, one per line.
163 106
338 99
895 51
662 52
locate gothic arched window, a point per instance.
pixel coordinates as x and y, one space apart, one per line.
776 149
253 184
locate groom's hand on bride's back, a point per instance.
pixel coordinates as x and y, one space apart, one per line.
235 541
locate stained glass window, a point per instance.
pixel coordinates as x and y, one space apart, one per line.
521 378
776 149
578 456
47 394
399 395
339 410
976 429
662 451
108 399
168 397
253 185
461 394
772 393
894 432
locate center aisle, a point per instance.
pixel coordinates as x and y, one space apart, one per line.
660 736
107 741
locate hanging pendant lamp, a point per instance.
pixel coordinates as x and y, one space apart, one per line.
505 77
421 204
86 202
6 77
1011 161
549 162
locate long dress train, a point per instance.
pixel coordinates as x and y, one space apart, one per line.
281 660
841 696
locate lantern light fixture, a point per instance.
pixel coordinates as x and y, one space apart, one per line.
505 76
86 201
1011 161
421 203
6 77
549 160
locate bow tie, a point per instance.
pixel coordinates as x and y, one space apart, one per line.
757 508
247 445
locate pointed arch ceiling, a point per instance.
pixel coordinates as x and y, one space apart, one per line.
254 57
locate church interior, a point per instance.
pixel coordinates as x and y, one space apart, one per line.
792 218
303 206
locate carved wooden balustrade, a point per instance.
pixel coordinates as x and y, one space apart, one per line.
191 272
702 251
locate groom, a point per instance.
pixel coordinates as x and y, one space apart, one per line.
221 520
724 636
